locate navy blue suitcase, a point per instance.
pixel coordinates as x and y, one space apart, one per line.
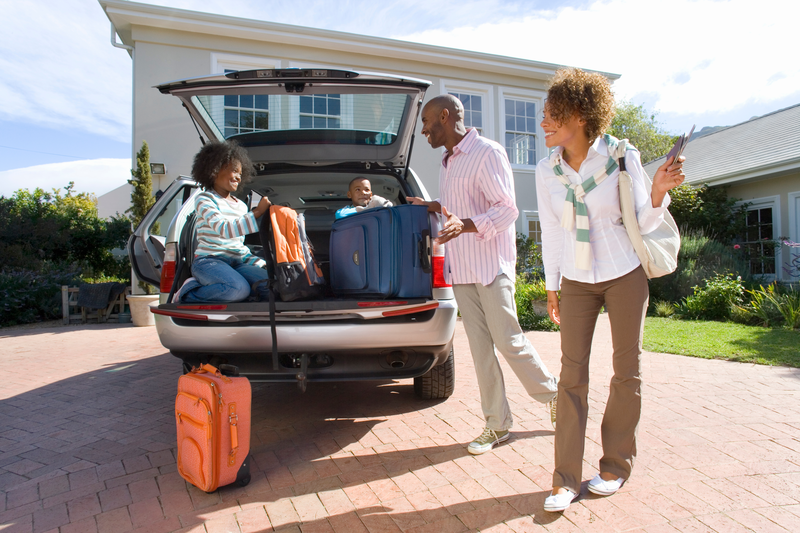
382 253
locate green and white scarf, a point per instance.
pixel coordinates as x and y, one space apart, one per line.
575 214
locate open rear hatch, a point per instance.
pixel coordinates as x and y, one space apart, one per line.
307 116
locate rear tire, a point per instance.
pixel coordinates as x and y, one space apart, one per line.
439 382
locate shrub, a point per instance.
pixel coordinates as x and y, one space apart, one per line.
40 227
528 297
663 308
529 259
772 306
714 301
700 258
32 296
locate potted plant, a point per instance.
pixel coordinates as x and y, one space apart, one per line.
141 201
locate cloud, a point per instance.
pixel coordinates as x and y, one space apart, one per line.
96 176
686 57
60 70
668 51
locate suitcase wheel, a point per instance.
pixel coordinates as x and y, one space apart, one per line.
243 482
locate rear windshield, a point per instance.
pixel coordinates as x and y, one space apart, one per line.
360 118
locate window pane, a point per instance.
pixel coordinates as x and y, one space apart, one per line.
319 122
530 125
530 109
334 123
262 101
520 108
305 122
319 105
305 104
231 100
477 119
229 132
509 107
262 120
246 100
232 118
246 119
334 106
476 103
510 122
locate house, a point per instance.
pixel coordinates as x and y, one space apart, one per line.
503 96
759 160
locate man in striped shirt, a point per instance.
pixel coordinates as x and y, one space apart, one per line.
479 207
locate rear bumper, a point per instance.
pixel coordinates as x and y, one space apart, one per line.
359 349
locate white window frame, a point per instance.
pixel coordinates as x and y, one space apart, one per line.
773 202
485 91
220 62
531 216
346 110
794 216
527 95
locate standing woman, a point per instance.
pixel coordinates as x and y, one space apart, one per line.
593 268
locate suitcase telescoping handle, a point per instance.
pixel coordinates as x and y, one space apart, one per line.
424 249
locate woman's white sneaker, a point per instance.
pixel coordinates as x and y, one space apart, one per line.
559 502
601 487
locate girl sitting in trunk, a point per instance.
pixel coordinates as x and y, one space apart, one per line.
223 269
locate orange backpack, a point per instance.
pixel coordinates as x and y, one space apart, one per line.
295 273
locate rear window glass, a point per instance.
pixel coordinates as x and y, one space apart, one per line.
362 118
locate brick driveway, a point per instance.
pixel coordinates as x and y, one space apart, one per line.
87 435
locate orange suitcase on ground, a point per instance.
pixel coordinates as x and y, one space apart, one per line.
212 413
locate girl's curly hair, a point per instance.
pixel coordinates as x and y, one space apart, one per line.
587 93
213 156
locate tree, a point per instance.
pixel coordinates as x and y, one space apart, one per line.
710 210
639 126
142 195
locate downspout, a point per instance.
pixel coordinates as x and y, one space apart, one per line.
131 52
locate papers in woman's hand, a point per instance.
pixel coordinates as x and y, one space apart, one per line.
680 144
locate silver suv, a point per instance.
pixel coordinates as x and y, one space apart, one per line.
309 132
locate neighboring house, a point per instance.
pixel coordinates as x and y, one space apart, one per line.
759 160
503 96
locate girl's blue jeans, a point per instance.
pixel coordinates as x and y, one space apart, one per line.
223 279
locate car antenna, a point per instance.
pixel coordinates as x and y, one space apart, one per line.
202 141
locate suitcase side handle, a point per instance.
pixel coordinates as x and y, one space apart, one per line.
424 249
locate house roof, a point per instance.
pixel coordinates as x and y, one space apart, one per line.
124 15
762 147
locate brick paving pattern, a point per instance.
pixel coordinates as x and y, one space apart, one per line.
87 438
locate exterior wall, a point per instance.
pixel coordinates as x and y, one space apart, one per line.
165 55
784 192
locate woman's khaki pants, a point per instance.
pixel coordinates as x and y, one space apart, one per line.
625 300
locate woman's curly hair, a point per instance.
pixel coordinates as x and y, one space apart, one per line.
213 156
587 93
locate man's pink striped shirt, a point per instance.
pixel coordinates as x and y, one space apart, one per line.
476 182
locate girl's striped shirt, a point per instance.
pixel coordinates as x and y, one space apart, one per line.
221 227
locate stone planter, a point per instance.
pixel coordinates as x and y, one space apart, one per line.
540 308
140 309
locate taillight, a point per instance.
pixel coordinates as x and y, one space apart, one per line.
168 268
438 267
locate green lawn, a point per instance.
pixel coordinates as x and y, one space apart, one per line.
723 340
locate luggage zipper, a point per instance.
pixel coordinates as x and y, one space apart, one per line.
215 442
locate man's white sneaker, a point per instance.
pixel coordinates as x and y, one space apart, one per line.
559 502
487 440
601 487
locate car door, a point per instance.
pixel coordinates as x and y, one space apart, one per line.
146 245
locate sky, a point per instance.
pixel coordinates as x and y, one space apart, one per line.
66 91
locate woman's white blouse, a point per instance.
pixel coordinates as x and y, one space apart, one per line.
613 253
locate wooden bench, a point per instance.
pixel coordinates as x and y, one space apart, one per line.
73 314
